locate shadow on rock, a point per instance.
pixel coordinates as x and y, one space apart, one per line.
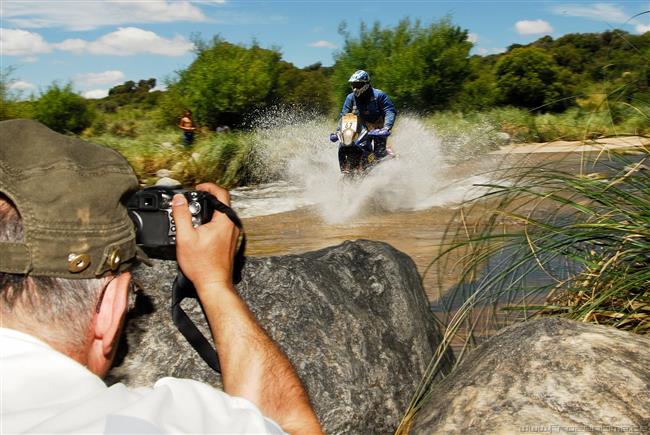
353 319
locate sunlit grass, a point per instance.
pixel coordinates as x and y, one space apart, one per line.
547 240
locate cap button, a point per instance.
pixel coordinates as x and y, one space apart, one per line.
78 262
114 259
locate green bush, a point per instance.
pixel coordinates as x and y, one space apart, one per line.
226 83
63 110
529 77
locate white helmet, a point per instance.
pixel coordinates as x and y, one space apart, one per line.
360 82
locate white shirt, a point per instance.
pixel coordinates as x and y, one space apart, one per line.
44 391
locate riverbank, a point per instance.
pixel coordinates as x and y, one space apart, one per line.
623 143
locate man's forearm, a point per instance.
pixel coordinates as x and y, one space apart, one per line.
252 365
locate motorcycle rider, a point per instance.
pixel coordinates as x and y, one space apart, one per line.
374 108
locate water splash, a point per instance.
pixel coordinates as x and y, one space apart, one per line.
293 147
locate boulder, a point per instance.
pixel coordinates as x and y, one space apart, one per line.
353 319
544 376
168 182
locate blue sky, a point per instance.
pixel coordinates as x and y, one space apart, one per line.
97 44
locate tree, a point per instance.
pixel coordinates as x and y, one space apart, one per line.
227 82
63 110
529 77
479 90
6 100
420 67
308 88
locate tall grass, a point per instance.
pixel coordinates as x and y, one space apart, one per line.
224 158
595 116
552 238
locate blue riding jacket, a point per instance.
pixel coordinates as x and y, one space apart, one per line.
372 108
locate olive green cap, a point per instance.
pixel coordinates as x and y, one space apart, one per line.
68 194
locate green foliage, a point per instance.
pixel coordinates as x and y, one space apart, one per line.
222 158
6 101
308 88
63 110
479 90
227 82
529 77
11 106
130 93
420 67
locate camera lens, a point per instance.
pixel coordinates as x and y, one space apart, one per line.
195 207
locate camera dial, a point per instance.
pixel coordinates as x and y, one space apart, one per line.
195 208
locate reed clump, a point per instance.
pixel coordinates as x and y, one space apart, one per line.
567 238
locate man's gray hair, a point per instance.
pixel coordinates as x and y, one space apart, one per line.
56 310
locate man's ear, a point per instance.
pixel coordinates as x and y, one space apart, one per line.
107 324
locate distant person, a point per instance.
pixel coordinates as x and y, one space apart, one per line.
66 247
187 125
374 108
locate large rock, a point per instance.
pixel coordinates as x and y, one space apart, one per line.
545 376
353 319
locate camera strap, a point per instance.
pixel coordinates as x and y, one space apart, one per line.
183 288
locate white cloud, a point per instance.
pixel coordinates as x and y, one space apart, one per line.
77 46
485 51
596 11
16 42
642 28
472 37
96 94
605 12
533 27
21 85
102 78
322 44
86 15
128 41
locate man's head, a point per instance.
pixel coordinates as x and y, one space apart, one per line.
64 238
360 82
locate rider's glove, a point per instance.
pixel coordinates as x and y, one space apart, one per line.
333 137
380 132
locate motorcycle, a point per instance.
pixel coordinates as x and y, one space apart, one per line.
356 150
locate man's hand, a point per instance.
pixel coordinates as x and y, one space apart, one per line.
205 253
252 365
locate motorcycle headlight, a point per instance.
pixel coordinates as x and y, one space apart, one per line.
348 137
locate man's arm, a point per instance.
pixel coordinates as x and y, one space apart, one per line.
252 366
389 111
347 106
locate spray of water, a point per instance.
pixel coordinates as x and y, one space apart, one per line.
293 146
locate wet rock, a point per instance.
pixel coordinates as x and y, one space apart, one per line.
163 173
168 182
503 138
545 375
353 319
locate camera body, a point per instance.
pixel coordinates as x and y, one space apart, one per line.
150 209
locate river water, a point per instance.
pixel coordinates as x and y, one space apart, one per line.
407 202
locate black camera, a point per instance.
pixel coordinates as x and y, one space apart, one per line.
150 209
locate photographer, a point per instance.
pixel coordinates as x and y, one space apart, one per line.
66 244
